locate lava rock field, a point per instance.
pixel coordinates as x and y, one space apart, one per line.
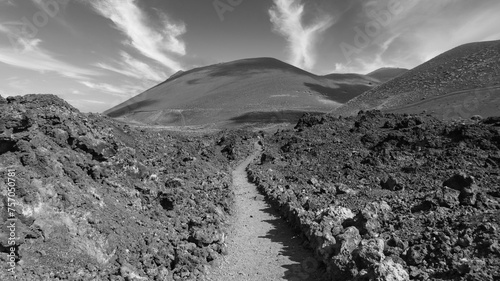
390 197
100 200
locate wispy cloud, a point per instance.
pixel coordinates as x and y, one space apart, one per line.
417 31
103 87
26 52
287 18
134 68
7 3
122 91
159 45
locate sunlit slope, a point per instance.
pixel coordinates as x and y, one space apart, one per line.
456 75
228 92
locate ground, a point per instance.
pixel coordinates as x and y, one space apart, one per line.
371 197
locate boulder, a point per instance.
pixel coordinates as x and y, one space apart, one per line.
369 252
388 270
390 183
466 185
371 216
348 241
447 197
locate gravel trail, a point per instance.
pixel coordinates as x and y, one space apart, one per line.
261 245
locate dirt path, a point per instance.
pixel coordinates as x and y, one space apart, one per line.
261 245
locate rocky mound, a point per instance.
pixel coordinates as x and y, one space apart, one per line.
467 67
390 197
89 199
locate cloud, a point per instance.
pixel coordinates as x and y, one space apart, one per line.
159 45
134 68
26 52
413 32
103 87
124 91
7 3
287 17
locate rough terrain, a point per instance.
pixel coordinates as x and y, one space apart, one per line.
390 197
375 196
99 200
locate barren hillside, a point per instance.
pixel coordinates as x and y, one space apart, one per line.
259 90
468 69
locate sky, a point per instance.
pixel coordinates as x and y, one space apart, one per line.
96 54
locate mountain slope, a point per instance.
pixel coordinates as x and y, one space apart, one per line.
387 73
471 69
243 91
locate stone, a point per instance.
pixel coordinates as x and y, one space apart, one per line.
313 181
459 181
370 251
348 241
476 118
340 214
388 270
344 189
391 184
371 216
416 254
467 187
447 197
174 183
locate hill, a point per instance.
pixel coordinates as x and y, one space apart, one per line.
387 73
464 81
260 90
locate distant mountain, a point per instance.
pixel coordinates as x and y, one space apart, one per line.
387 73
260 90
458 83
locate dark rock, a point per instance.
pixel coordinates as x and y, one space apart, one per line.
174 183
266 158
309 120
494 120
466 185
459 181
416 254
390 183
